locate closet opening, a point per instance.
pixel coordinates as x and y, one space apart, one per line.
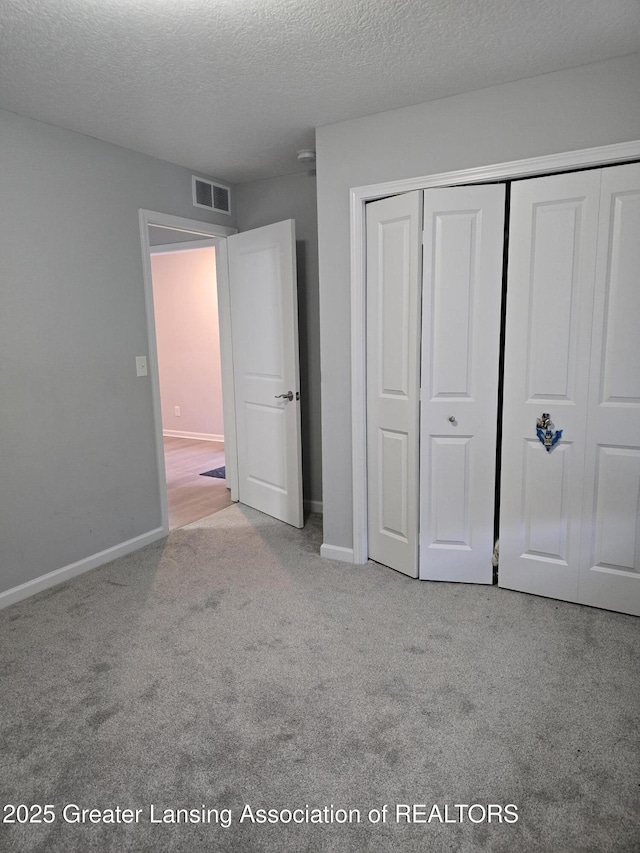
503 320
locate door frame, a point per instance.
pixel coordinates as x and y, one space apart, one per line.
219 233
358 197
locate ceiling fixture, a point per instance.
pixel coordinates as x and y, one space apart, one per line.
307 156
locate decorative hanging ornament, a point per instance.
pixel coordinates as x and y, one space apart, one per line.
545 432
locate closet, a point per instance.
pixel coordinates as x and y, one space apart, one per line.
569 509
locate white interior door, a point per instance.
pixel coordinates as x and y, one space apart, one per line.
610 564
552 254
393 346
461 305
264 324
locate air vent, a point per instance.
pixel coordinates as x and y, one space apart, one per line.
210 196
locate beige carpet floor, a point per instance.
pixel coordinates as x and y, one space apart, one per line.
230 666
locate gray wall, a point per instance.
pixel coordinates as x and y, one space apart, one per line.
589 106
78 468
294 197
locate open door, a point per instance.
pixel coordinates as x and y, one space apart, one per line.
264 322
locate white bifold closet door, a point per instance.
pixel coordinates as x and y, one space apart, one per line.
610 549
569 516
461 305
434 471
393 346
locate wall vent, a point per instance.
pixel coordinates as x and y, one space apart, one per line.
211 196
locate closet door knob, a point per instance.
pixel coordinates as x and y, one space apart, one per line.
452 419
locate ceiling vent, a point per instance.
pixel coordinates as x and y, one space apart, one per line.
210 196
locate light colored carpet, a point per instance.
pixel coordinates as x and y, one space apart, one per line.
230 665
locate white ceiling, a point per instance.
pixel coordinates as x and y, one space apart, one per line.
233 88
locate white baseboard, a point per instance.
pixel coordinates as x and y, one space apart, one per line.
337 552
17 593
197 436
313 506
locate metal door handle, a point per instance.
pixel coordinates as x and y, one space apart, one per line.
287 396
452 419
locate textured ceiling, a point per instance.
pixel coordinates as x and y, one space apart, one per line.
233 88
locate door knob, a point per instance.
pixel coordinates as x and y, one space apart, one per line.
452 419
287 396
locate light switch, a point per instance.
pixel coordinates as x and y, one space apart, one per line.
141 365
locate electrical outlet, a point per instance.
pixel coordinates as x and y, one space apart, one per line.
141 365
176 411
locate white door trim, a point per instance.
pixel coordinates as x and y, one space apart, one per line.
186 246
220 232
358 196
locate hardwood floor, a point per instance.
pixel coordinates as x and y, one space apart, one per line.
191 496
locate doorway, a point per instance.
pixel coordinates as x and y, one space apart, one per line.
188 441
183 268
259 366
